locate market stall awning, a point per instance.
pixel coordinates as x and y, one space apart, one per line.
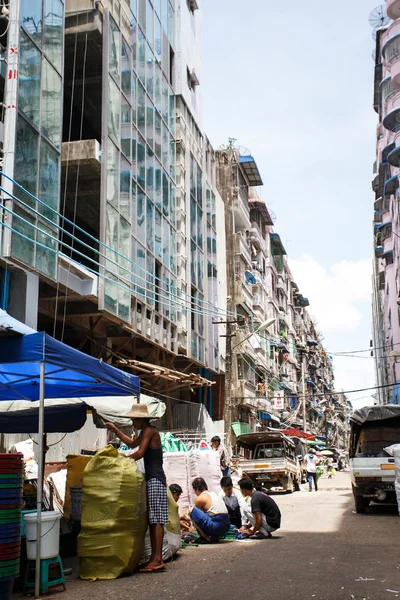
69 373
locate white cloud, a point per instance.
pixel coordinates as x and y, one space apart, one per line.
335 292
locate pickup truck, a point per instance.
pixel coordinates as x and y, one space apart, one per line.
269 460
372 470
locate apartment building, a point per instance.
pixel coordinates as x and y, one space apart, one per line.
111 238
280 371
386 229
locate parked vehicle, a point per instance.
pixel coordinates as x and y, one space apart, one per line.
372 469
269 459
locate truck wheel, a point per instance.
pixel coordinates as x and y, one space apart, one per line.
360 503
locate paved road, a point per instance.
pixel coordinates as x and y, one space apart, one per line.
323 551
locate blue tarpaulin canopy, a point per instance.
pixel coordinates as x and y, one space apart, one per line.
68 373
37 366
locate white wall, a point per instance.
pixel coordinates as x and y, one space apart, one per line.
189 55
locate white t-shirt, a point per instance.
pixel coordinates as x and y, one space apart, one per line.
311 463
218 506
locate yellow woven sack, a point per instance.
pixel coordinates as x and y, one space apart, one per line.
76 464
114 516
174 525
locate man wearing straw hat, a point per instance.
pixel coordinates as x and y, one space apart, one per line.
149 447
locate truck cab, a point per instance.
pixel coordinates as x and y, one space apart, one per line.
372 470
269 460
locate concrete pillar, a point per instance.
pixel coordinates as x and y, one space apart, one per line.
24 297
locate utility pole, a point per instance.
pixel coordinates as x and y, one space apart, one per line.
228 387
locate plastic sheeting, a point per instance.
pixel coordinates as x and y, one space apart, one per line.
375 413
114 516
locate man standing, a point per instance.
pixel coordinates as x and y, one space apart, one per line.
149 447
238 510
266 515
209 513
311 466
223 455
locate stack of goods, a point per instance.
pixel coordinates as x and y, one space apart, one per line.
114 516
11 482
183 467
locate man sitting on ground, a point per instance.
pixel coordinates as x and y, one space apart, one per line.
209 513
238 510
266 515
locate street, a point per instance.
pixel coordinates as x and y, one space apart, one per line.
323 551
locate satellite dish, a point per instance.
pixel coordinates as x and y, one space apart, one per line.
243 151
378 17
250 279
272 215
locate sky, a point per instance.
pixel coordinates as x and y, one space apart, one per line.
292 81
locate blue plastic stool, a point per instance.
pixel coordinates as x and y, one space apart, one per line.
48 579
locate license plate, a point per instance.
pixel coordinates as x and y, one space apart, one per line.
265 466
388 467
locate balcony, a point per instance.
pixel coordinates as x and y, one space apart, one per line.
391 185
241 248
378 216
381 281
388 257
378 251
394 157
255 237
392 120
385 91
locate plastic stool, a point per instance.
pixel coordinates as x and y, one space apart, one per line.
51 574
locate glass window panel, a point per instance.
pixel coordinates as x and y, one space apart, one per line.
158 234
141 231
112 220
142 13
26 160
112 175
173 250
29 79
193 226
200 270
149 71
31 18
172 200
171 29
133 6
164 14
157 39
150 226
193 265
133 208
149 23
199 227
114 59
150 177
172 161
165 195
134 97
126 70
114 111
199 186
150 123
157 7
158 178
134 33
21 246
141 161
141 56
165 147
111 296
126 120
141 109
124 247
165 242
125 190
54 31
165 99
140 271
51 124
157 135
46 259
49 180
157 86
150 278
172 110
134 152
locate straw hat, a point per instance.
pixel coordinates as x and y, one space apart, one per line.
139 411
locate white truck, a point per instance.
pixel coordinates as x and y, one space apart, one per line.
372 470
269 460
